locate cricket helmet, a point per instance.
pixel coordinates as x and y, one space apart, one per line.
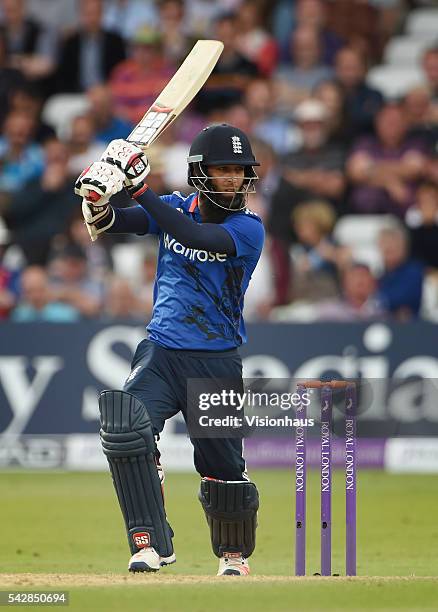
220 145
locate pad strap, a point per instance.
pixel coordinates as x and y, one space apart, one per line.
231 511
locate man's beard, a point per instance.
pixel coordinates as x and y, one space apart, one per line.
212 213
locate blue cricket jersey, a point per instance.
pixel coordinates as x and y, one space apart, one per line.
198 295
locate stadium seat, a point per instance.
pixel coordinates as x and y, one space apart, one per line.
14 258
128 260
61 109
394 81
359 233
429 300
297 312
4 234
405 50
423 21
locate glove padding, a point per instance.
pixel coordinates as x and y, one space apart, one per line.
130 159
97 222
98 183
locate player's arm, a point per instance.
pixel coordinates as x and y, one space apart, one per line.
133 163
125 164
97 184
115 220
201 236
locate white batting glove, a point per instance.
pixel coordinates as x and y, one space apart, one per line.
130 159
97 222
98 183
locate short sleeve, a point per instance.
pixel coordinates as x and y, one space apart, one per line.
247 232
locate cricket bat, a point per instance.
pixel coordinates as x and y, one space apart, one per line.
178 93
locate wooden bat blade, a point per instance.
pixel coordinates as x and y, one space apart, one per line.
178 93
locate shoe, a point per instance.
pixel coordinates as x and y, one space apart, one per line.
233 564
148 560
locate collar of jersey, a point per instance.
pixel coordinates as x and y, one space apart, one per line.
194 204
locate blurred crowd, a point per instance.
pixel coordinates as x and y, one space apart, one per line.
348 185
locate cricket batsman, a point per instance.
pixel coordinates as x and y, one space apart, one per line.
209 246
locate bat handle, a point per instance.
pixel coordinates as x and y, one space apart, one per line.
93 196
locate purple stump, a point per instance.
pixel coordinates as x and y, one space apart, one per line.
300 489
350 479
326 481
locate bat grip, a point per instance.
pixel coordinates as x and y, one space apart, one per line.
93 196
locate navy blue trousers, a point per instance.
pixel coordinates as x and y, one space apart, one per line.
159 379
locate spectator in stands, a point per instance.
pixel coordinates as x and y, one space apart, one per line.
314 13
283 21
254 42
288 15
37 302
361 101
358 297
281 133
10 79
400 286
176 43
236 114
84 148
20 159
126 16
108 126
233 71
98 254
9 281
88 55
385 169
331 94
28 100
391 13
315 254
71 283
422 221
277 199
120 301
358 22
430 68
201 14
42 209
418 113
295 82
136 82
30 48
317 166
56 16
169 158
7 297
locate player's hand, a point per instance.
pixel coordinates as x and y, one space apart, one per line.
130 159
97 222
98 183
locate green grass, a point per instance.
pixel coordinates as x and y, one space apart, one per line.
69 523
261 598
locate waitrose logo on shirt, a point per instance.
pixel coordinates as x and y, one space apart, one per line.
193 254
